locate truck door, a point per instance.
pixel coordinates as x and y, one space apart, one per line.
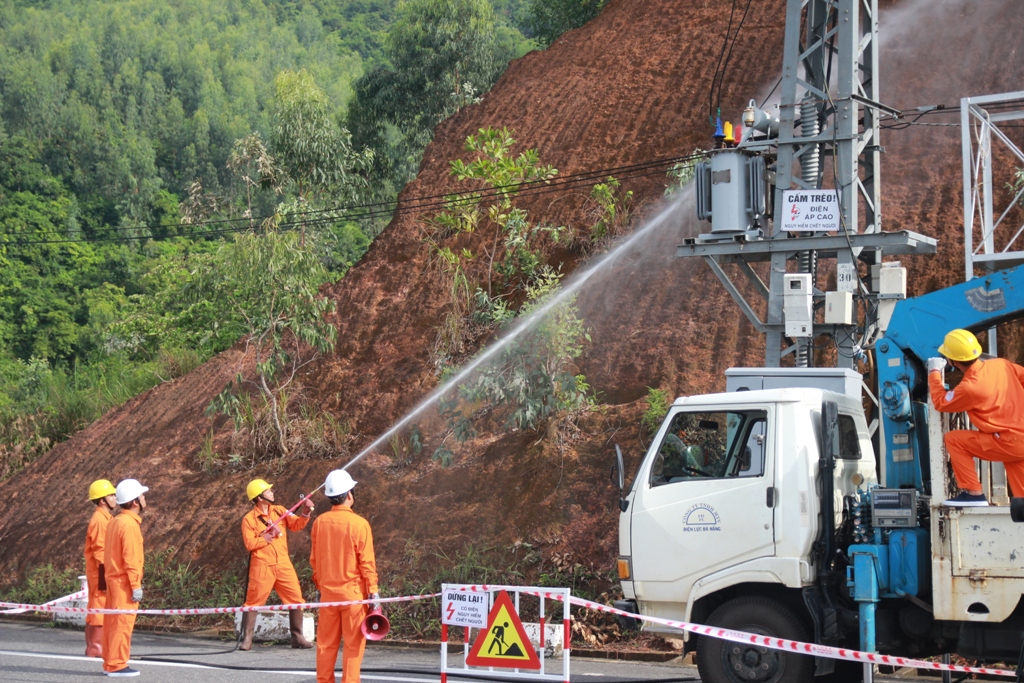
704 500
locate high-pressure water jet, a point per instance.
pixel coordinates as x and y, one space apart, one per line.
574 285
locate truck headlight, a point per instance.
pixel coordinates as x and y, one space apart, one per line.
625 570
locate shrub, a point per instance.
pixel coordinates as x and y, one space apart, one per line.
657 409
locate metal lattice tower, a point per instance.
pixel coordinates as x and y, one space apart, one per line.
828 132
992 240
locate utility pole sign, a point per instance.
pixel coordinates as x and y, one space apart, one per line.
810 211
462 608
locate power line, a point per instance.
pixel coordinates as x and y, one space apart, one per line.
416 205
718 66
425 202
728 57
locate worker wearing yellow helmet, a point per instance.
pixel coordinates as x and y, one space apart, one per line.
101 493
991 392
270 567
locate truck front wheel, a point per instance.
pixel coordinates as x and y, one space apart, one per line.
722 661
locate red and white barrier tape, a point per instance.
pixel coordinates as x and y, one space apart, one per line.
782 644
771 643
73 596
50 607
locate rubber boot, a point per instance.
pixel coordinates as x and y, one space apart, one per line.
248 626
299 642
93 641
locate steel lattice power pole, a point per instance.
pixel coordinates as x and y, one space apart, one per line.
821 150
845 135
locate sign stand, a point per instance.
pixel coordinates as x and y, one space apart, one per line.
501 647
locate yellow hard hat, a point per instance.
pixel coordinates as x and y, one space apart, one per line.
101 488
255 488
960 345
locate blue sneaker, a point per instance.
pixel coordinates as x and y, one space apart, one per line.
125 672
967 500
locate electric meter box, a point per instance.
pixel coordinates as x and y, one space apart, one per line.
797 305
839 308
889 278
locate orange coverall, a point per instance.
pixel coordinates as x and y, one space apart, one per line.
269 564
95 540
123 563
344 568
992 394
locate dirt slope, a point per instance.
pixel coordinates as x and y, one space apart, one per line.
628 87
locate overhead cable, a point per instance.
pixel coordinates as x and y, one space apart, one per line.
359 212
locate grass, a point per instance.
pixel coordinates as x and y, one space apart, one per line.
43 584
42 405
167 584
173 584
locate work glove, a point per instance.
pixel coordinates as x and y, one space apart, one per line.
938 364
137 595
376 606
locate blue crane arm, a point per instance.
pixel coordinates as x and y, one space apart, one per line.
916 329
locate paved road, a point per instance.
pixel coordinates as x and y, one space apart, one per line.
41 653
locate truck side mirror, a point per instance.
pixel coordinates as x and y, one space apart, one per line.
617 469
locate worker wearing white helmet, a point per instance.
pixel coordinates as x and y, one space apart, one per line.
344 568
123 560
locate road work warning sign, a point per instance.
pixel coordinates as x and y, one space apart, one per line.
810 210
462 608
503 643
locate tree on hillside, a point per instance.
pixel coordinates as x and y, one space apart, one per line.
128 103
312 150
441 55
268 284
549 19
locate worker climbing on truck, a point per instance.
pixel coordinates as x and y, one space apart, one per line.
991 392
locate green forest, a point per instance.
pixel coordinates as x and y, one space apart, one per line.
154 155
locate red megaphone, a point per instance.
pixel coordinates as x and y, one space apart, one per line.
375 625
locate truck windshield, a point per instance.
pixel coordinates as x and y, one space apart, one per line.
711 446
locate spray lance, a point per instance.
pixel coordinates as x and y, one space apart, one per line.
269 531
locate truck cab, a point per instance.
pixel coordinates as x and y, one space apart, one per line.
726 502
759 509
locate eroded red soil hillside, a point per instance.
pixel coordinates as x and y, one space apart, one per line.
629 87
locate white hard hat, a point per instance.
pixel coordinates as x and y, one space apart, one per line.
339 482
128 490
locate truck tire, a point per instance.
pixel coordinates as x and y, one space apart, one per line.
721 661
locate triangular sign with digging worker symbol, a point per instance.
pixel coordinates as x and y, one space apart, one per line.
503 643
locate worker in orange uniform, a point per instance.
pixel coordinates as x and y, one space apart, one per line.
123 560
344 569
270 568
992 394
103 494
